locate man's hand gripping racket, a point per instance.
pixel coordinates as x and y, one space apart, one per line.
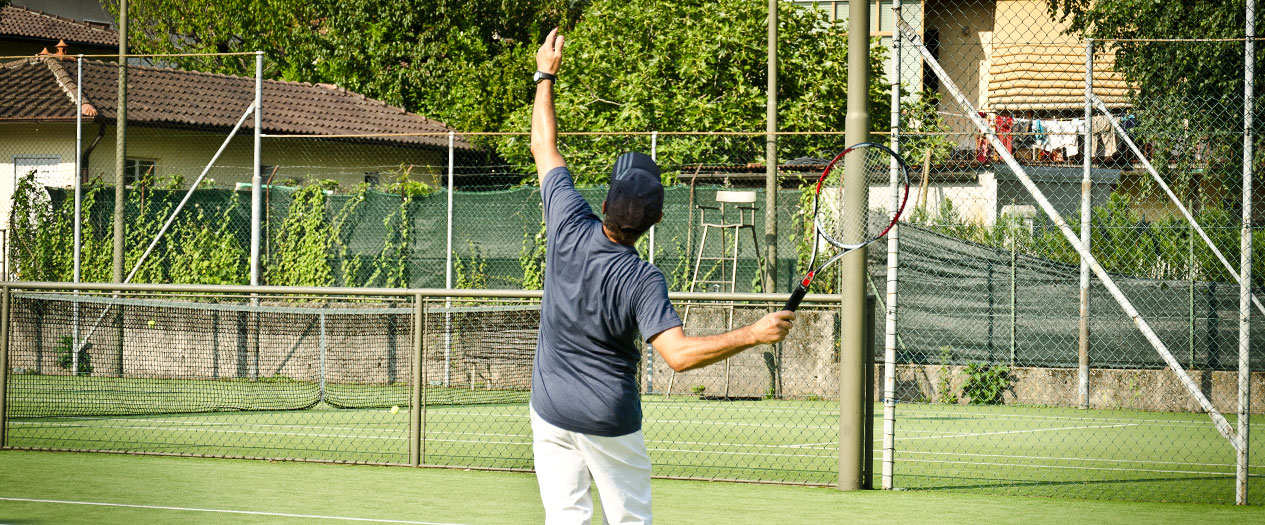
831 222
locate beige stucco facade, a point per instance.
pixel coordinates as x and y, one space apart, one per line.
51 145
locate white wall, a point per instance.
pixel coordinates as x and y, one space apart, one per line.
186 153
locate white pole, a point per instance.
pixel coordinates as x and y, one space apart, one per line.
321 347
78 202
1086 237
654 155
256 192
448 258
448 267
1245 261
893 249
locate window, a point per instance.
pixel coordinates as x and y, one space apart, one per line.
47 170
134 169
930 82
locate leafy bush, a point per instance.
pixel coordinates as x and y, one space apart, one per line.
65 356
985 384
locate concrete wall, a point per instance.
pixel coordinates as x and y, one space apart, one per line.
1152 390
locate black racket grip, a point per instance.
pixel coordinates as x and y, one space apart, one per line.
797 296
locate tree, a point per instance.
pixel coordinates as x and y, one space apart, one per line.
465 62
1188 95
698 65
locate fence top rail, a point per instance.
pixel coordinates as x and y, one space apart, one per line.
211 289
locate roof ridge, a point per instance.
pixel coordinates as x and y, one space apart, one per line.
336 88
81 23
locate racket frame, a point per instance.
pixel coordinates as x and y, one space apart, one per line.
820 233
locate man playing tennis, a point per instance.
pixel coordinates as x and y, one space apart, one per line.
599 295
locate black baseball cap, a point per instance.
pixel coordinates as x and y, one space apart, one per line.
635 200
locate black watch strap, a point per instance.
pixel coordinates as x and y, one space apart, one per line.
541 75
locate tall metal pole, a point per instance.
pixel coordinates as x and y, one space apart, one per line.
120 146
852 347
120 168
893 250
452 137
1086 187
78 172
654 155
78 275
256 181
770 156
1245 261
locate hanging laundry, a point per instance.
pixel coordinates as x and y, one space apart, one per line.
1004 128
1022 133
1063 136
1103 135
982 148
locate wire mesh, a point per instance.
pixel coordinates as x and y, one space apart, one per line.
988 350
1001 392
333 378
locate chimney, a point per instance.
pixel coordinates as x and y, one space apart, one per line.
44 52
61 48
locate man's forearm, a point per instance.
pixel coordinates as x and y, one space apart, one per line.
700 351
544 124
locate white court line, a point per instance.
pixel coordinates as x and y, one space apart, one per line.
1057 458
221 511
977 434
1035 417
1077 467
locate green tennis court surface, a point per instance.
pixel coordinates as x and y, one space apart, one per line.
42 487
1111 454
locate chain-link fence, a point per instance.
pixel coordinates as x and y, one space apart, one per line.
994 306
315 375
1015 369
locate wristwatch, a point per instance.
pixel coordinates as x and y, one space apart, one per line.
541 75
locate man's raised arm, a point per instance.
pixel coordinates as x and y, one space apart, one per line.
544 124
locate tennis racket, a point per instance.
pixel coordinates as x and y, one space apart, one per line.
831 220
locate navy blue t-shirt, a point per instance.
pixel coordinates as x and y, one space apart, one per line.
598 297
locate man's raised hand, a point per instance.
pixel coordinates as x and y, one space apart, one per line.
549 56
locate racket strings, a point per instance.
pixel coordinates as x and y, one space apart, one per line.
852 224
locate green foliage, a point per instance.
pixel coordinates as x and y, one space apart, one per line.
479 51
944 388
531 258
471 272
644 65
40 234
920 114
65 356
1187 95
200 247
698 389
985 384
303 243
1122 239
827 281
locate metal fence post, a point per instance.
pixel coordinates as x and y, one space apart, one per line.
890 312
852 267
1087 185
4 367
1245 262
416 445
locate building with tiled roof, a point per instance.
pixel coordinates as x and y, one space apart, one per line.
25 32
178 119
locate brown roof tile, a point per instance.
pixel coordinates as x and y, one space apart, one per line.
29 23
171 97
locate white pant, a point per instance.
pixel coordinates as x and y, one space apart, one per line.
567 463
